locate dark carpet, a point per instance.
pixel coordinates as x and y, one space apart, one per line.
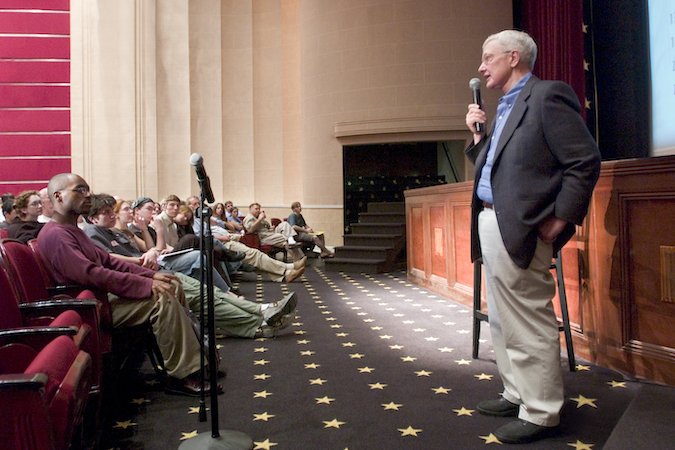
371 362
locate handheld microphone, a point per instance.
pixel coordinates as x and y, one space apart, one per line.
474 84
204 182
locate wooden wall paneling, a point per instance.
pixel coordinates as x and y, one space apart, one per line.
438 239
619 267
416 244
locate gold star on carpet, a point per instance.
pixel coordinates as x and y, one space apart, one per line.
324 400
264 445
419 330
261 394
368 320
189 435
441 390
348 344
580 445
463 362
124 425
299 332
260 350
219 346
410 431
464 412
581 401
446 349
264 416
330 319
408 322
396 347
312 366
195 409
261 376
431 339
356 355
296 324
377 385
333 423
391 406
385 336
139 401
484 376
307 353
587 103
423 373
408 359
584 28
617 384
341 334
376 328
260 362
303 341
587 66
318 381
580 367
490 439
336 326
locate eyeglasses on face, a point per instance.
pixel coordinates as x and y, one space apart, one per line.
79 189
489 59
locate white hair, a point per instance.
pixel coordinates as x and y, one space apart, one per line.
519 41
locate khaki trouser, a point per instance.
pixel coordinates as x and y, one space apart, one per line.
523 326
172 328
259 260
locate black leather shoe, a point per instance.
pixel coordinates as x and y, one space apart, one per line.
189 386
500 408
521 431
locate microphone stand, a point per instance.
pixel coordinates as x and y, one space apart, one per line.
217 439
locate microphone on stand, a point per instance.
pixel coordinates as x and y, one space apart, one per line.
204 182
474 84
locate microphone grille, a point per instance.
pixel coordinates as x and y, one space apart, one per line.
196 159
474 83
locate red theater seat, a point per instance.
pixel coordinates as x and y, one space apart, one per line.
43 405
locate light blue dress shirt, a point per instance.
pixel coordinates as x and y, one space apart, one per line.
504 107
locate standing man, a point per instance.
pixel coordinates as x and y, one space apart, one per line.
535 172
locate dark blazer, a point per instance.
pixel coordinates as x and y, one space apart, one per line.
546 163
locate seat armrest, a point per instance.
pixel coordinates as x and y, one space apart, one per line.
23 381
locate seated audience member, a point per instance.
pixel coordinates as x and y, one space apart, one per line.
47 208
169 210
234 315
219 211
234 217
256 222
8 211
183 221
25 226
193 202
186 263
305 233
278 270
234 222
137 295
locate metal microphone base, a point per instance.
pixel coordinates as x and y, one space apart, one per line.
228 440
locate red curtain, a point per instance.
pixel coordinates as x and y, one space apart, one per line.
558 28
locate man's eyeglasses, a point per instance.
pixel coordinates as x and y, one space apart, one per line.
489 59
79 189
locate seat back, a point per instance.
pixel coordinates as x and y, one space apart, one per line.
46 274
10 316
68 371
24 270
